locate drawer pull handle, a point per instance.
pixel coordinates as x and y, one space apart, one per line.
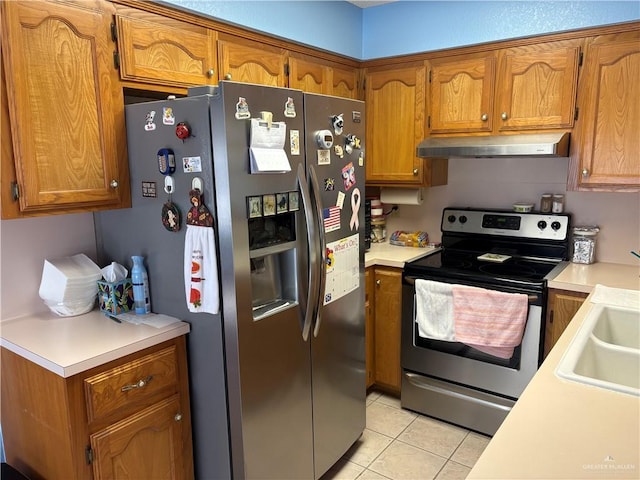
139 384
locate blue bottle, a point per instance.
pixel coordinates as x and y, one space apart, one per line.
140 281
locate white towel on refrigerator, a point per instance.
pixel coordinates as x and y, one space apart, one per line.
434 310
201 270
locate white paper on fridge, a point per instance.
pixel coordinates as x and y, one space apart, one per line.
267 147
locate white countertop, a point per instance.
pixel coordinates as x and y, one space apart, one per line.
582 278
70 345
388 255
560 429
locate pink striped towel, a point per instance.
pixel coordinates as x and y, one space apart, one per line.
490 321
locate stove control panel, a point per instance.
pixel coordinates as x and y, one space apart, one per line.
533 225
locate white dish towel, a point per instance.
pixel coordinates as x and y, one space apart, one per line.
201 270
434 310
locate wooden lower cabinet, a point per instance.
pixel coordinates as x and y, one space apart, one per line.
561 307
387 312
369 326
129 418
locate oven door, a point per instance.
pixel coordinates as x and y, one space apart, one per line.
460 364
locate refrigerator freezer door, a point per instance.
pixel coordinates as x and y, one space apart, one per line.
338 368
268 360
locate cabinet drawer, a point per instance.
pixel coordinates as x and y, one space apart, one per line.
134 383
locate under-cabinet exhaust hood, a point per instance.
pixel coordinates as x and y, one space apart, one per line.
528 145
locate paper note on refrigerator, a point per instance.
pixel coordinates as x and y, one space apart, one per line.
267 147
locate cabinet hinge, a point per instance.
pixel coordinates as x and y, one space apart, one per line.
575 115
580 58
429 76
88 455
364 85
551 316
15 191
286 69
114 32
428 121
116 60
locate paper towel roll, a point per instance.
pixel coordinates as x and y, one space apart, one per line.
401 196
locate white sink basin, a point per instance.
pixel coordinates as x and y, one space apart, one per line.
605 351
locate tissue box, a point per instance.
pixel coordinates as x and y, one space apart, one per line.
116 297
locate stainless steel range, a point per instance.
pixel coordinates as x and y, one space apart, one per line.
454 381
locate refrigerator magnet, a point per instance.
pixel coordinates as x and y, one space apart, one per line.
294 140
268 204
282 203
290 108
329 184
242 109
294 201
339 151
338 123
191 164
167 116
340 200
149 124
254 207
349 176
324 157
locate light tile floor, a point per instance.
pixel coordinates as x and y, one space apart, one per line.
399 444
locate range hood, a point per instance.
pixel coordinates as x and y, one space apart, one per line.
529 145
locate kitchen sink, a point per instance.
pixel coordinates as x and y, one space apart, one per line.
605 351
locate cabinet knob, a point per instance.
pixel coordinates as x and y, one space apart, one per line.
227 76
415 172
178 417
378 282
484 117
114 184
585 172
504 116
210 72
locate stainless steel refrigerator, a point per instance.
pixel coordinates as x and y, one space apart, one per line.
277 377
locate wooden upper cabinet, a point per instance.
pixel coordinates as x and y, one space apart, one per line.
344 82
605 153
316 76
395 124
160 50
251 62
522 88
65 105
536 86
461 94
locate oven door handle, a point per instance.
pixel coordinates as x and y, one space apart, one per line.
533 298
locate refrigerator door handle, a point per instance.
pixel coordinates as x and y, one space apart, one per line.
314 273
323 249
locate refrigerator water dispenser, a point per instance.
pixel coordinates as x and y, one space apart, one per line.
270 290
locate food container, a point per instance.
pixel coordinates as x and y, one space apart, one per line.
409 239
584 244
522 207
546 203
557 206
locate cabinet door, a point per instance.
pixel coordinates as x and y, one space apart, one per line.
344 82
388 295
395 124
145 445
369 326
309 76
66 106
461 94
537 86
606 147
562 306
251 62
160 50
